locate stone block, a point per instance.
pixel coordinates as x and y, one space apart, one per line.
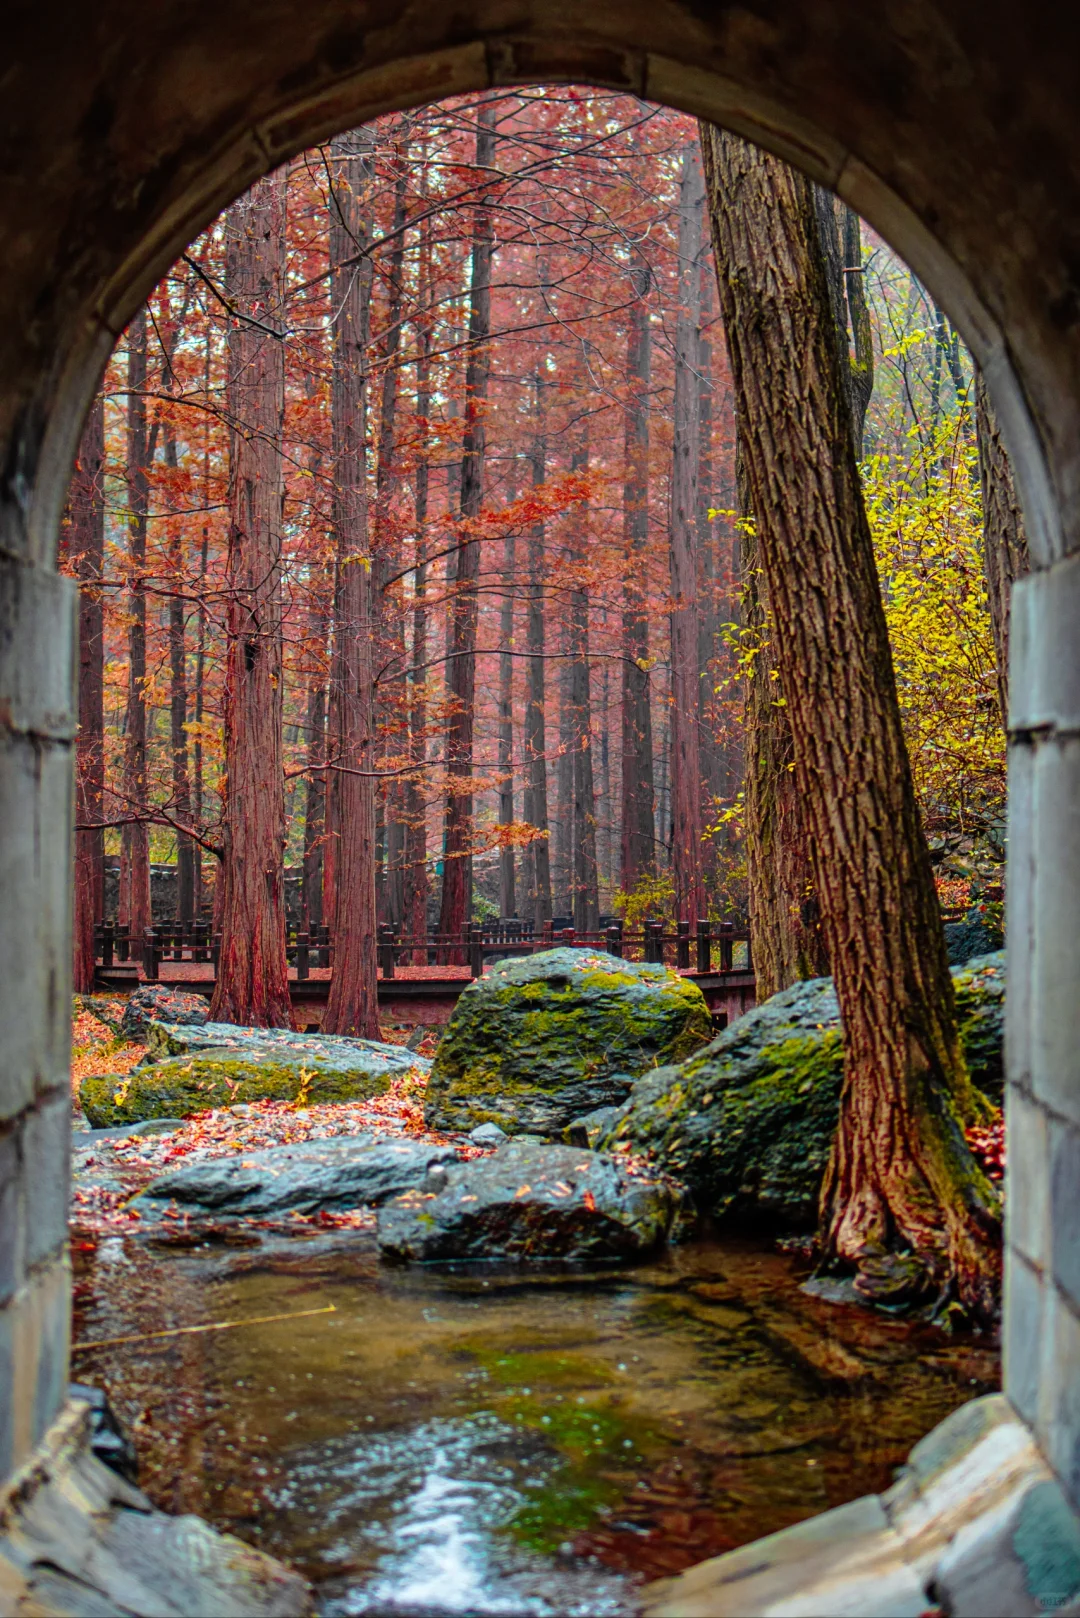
37 651
1019 1558
39 1317
46 1176
35 940
1044 653
1019 892
1055 1000
1064 1213
7 1384
1057 1421
1027 1205
12 1250
1022 1333
849 1560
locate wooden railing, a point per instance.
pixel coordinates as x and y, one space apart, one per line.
685 948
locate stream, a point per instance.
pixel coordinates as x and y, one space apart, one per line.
496 1441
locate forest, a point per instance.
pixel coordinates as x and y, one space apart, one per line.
543 574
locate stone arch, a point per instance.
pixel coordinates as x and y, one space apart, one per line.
953 129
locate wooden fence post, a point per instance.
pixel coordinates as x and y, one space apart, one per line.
704 946
682 946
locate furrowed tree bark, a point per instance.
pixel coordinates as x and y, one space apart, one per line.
252 984
507 884
178 706
416 876
687 865
352 1005
134 839
461 672
903 1201
315 787
637 817
583 873
1005 546
785 929
86 547
535 808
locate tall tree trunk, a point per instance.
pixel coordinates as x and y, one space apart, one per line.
315 790
903 1201
583 876
784 924
178 706
687 865
507 897
252 985
392 715
562 851
637 819
352 1006
86 546
135 840
538 854
1005 546
416 876
461 675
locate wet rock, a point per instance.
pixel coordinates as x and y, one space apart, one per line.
158 1000
748 1122
531 1202
587 1131
308 1177
487 1135
974 934
538 1041
189 1069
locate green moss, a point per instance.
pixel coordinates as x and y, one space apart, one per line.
182 1086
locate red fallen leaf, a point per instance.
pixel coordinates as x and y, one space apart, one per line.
590 1201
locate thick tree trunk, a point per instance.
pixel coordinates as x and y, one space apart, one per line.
687 866
135 839
86 547
315 789
416 876
178 706
507 885
903 1200
784 923
537 855
1005 546
585 898
352 1006
637 818
252 985
461 673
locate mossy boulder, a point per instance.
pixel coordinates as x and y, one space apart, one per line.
188 1070
537 1041
747 1124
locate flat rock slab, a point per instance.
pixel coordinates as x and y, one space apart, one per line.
539 1041
313 1175
191 1069
531 1202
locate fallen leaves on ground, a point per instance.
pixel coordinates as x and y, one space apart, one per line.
987 1146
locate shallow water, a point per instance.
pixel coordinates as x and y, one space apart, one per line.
498 1442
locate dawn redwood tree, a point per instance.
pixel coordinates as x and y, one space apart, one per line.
352 1006
507 884
585 898
135 911
687 866
252 983
637 808
461 652
537 857
416 876
903 1201
85 543
1005 546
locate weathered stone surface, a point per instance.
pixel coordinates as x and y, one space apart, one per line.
309 1176
159 1000
189 1069
974 934
531 1202
748 1122
537 1042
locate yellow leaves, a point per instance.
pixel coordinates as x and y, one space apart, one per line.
645 664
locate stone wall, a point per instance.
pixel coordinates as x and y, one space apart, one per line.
37 725
1042 1319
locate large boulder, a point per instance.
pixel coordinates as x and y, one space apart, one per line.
309 1176
159 1000
747 1124
536 1041
190 1069
531 1201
